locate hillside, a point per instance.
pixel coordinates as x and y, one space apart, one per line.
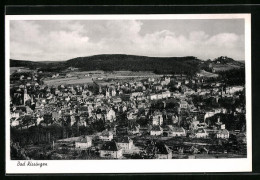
136 63
115 62
226 60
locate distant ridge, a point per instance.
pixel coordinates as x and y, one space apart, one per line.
116 62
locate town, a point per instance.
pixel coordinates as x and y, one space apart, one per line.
76 114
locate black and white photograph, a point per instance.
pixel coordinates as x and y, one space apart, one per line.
125 92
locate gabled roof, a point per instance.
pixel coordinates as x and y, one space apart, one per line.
223 131
174 128
178 129
161 148
110 146
122 140
83 139
106 133
156 128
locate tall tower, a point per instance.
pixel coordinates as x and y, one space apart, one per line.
25 96
113 92
107 92
100 90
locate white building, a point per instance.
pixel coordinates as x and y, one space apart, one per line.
153 96
125 143
156 131
201 133
111 150
223 134
106 136
157 118
83 142
111 115
177 131
162 151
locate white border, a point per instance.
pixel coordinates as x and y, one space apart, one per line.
134 166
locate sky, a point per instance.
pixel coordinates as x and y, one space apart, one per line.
55 40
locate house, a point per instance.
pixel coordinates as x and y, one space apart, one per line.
111 115
83 142
150 79
14 122
157 118
153 96
156 131
106 136
201 133
121 130
134 129
124 142
177 131
222 134
162 151
135 94
117 100
16 113
183 105
166 94
241 137
111 150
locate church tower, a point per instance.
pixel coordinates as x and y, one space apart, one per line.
100 90
113 92
107 92
25 96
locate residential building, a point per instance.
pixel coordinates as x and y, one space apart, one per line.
111 150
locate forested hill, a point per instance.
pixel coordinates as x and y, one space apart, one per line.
136 63
114 62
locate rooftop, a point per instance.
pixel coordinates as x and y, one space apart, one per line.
110 146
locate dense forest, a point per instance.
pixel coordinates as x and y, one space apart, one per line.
137 63
115 62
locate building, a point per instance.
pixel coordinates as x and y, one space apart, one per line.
124 142
201 133
111 150
106 136
156 131
162 151
25 96
153 96
111 115
222 134
166 94
134 129
83 142
183 105
157 118
177 131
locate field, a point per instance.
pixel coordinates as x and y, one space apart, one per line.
68 80
80 77
203 73
225 67
19 69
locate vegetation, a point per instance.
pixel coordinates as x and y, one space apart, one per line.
116 62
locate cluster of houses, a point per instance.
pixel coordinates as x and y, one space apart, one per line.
84 104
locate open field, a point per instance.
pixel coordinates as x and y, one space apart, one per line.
68 80
204 73
19 69
80 77
225 67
